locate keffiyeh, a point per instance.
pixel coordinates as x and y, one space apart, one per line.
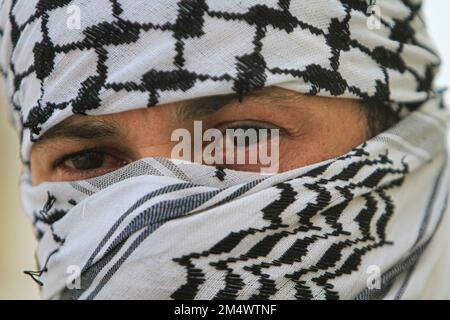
161 228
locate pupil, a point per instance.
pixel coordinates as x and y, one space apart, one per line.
89 160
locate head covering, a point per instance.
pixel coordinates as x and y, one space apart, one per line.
161 228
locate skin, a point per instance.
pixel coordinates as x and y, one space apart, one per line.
312 129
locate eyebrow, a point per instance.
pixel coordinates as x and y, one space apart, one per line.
86 129
90 129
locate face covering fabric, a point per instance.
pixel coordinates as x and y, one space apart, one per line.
366 225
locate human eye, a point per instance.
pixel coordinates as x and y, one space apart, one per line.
87 164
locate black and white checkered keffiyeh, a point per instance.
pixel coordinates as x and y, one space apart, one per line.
160 228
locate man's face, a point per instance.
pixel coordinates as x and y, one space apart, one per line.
311 129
